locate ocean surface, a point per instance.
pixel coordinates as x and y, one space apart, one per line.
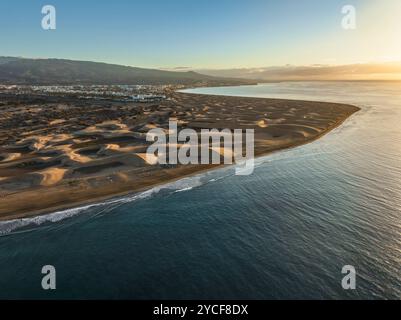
284 232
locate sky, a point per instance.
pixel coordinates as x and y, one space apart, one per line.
198 34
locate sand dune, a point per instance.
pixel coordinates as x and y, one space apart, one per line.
51 161
9 157
52 176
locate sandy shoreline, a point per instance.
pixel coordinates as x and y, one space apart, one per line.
49 170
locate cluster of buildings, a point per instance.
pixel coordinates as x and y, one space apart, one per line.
136 93
4 87
148 97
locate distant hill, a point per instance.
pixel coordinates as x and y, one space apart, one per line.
63 72
363 71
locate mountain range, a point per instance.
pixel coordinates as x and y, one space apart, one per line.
63 72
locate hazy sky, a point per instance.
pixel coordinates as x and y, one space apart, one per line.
204 33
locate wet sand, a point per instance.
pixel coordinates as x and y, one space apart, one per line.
62 152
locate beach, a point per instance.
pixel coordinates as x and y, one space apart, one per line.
62 152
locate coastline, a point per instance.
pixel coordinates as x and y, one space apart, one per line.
174 174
